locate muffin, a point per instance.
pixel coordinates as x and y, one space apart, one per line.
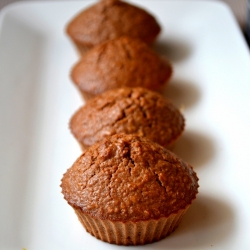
109 19
130 111
128 190
122 62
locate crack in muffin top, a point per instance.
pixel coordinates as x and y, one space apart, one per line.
130 111
110 19
122 62
129 178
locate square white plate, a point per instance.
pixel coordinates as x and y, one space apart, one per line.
211 82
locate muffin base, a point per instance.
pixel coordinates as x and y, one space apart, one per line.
130 233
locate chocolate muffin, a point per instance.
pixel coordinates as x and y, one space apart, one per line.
109 19
130 111
128 190
122 62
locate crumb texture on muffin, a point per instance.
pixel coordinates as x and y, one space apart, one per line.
119 63
130 111
129 178
109 19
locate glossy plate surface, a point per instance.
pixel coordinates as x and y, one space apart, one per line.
211 84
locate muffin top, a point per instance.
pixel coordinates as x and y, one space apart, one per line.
129 178
130 111
109 19
118 63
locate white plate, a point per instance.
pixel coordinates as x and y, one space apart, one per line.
211 81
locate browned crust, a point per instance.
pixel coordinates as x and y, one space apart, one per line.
129 178
122 62
110 19
131 111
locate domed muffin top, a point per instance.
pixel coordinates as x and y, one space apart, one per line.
129 178
130 111
109 19
119 63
